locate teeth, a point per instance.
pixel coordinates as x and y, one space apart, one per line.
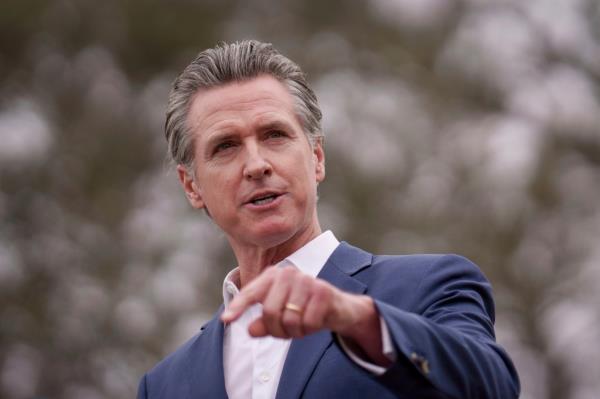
264 200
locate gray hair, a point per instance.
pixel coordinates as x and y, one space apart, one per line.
228 63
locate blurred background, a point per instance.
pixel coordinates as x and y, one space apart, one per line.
463 126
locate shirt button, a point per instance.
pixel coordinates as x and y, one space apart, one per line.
264 376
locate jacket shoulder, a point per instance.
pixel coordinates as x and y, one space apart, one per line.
175 359
426 263
419 263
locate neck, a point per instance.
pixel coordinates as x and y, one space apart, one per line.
253 259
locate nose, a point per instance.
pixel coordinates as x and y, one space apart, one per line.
256 166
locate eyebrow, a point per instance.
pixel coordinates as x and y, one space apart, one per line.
275 125
216 139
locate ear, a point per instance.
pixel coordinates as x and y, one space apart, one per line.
192 191
319 159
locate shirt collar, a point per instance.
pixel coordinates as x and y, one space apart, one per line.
310 259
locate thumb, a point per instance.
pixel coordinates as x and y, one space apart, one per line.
257 328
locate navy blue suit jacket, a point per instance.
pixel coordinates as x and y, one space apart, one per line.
439 311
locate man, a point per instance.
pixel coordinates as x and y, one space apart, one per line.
304 315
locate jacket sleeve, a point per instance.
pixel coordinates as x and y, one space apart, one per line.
446 343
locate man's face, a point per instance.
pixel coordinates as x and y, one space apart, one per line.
256 172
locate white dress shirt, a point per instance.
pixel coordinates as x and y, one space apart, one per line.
252 366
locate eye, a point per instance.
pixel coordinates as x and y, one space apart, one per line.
275 134
223 146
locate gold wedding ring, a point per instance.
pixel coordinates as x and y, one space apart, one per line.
293 307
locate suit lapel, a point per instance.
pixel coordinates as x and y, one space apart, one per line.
304 354
205 361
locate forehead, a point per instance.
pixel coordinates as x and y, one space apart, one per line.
262 98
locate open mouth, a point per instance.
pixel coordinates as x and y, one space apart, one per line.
264 199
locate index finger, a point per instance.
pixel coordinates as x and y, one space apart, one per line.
252 293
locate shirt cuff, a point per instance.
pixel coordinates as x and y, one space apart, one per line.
387 346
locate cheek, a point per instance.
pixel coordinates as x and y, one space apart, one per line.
308 185
220 196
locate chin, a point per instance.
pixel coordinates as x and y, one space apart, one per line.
272 234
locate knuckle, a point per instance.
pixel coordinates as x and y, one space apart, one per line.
322 291
287 273
290 320
306 280
320 284
311 324
270 312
